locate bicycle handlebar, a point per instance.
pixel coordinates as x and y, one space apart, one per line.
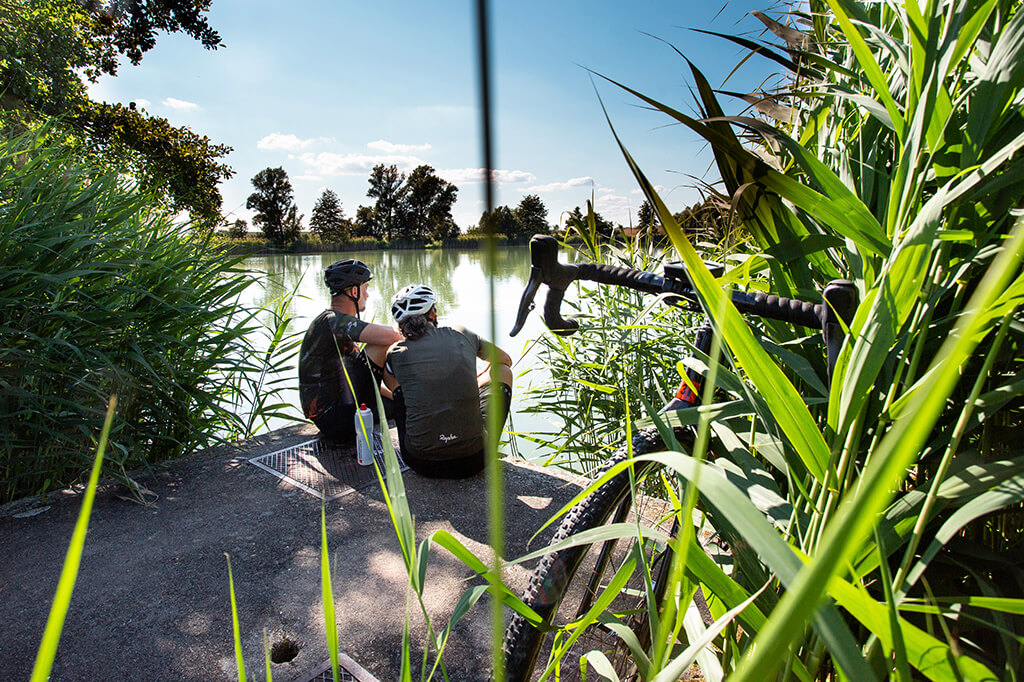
840 295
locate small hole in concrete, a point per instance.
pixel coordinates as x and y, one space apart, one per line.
283 650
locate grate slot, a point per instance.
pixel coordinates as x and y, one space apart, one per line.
322 469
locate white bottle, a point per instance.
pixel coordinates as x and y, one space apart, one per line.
364 451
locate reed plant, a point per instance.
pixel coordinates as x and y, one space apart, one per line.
874 522
103 293
624 363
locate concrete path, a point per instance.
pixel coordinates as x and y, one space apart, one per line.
151 601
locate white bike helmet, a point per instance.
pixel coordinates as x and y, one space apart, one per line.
415 299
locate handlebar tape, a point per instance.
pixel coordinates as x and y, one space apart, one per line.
778 308
553 314
639 280
764 305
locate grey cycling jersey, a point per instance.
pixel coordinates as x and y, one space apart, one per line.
437 373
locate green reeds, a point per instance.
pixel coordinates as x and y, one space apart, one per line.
898 167
102 293
628 346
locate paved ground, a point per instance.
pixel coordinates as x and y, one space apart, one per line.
151 601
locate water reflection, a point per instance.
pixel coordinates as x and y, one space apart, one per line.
457 277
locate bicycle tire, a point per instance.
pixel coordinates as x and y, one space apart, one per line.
551 578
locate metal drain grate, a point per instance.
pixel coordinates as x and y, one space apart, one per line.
323 469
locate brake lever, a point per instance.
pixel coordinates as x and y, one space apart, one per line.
526 302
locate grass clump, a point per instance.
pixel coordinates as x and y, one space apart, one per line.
103 294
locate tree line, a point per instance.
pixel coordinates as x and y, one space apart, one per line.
415 206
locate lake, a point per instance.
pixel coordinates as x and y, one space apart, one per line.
458 279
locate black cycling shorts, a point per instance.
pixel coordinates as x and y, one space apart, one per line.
460 467
337 421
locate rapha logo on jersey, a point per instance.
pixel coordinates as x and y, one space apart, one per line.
448 438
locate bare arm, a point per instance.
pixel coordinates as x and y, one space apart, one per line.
380 335
484 353
390 381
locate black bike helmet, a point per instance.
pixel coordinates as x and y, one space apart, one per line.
344 274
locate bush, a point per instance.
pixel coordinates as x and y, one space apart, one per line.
102 294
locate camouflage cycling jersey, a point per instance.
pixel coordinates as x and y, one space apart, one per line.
328 342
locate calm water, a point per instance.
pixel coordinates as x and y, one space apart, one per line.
461 285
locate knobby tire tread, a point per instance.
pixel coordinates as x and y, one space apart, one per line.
555 570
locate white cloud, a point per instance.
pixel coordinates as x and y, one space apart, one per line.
660 189
142 103
179 104
328 163
288 142
473 175
392 148
561 186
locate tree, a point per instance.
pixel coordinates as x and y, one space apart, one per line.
328 219
50 50
427 206
238 229
386 186
645 215
292 225
603 228
272 202
499 221
531 216
366 223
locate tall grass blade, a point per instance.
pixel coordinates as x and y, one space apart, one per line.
235 629
788 409
72 560
327 597
847 531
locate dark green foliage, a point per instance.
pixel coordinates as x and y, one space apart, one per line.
645 215
292 226
239 229
603 228
426 209
176 159
132 25
526 219
102 295
50 50
366 225
417 206
500 221
328 219
387 187
273 204
531 216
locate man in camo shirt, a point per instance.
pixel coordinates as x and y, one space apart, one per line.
324 391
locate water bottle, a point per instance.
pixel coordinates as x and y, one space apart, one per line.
364 451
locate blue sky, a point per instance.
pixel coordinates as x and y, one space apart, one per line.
328 90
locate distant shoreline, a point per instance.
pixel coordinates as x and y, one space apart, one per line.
263 247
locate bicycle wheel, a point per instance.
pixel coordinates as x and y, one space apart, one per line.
565 583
